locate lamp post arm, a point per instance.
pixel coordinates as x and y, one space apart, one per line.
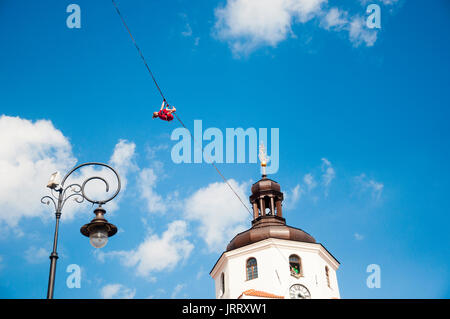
95 177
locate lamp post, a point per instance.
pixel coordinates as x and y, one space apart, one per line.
98 230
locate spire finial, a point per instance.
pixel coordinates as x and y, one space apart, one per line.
263 159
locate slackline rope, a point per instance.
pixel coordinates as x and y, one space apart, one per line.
164 99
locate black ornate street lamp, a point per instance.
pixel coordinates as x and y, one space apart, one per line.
98 230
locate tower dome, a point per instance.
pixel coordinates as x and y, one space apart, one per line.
268 221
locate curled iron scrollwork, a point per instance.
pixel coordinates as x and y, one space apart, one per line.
77 191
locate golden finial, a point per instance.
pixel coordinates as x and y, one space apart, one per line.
263 158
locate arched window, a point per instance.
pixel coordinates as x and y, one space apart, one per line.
252 269
327 274
222 283
295 266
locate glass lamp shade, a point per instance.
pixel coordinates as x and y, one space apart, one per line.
98 237
98 230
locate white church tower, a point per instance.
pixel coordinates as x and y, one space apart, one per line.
272 259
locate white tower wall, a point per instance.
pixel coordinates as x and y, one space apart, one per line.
274 275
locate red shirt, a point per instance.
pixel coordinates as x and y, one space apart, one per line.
165 115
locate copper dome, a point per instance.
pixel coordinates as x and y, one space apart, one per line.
269 227
265 184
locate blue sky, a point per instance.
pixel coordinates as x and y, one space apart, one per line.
362 115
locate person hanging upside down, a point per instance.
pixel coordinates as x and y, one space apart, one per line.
165 113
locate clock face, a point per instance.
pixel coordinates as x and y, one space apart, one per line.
298 291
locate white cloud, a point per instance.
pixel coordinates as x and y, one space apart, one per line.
358 236
389 2
385 2
146 185
155 203
334 19
369 185
151 151
157 253
328 174
122 158
309 186
117 291
249 24
177 290
292 197
36 255
30 153
309 181
359 33
200 273
219 213
188 31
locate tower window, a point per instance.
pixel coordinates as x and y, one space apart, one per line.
222 283
252 269
327 274
295 266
